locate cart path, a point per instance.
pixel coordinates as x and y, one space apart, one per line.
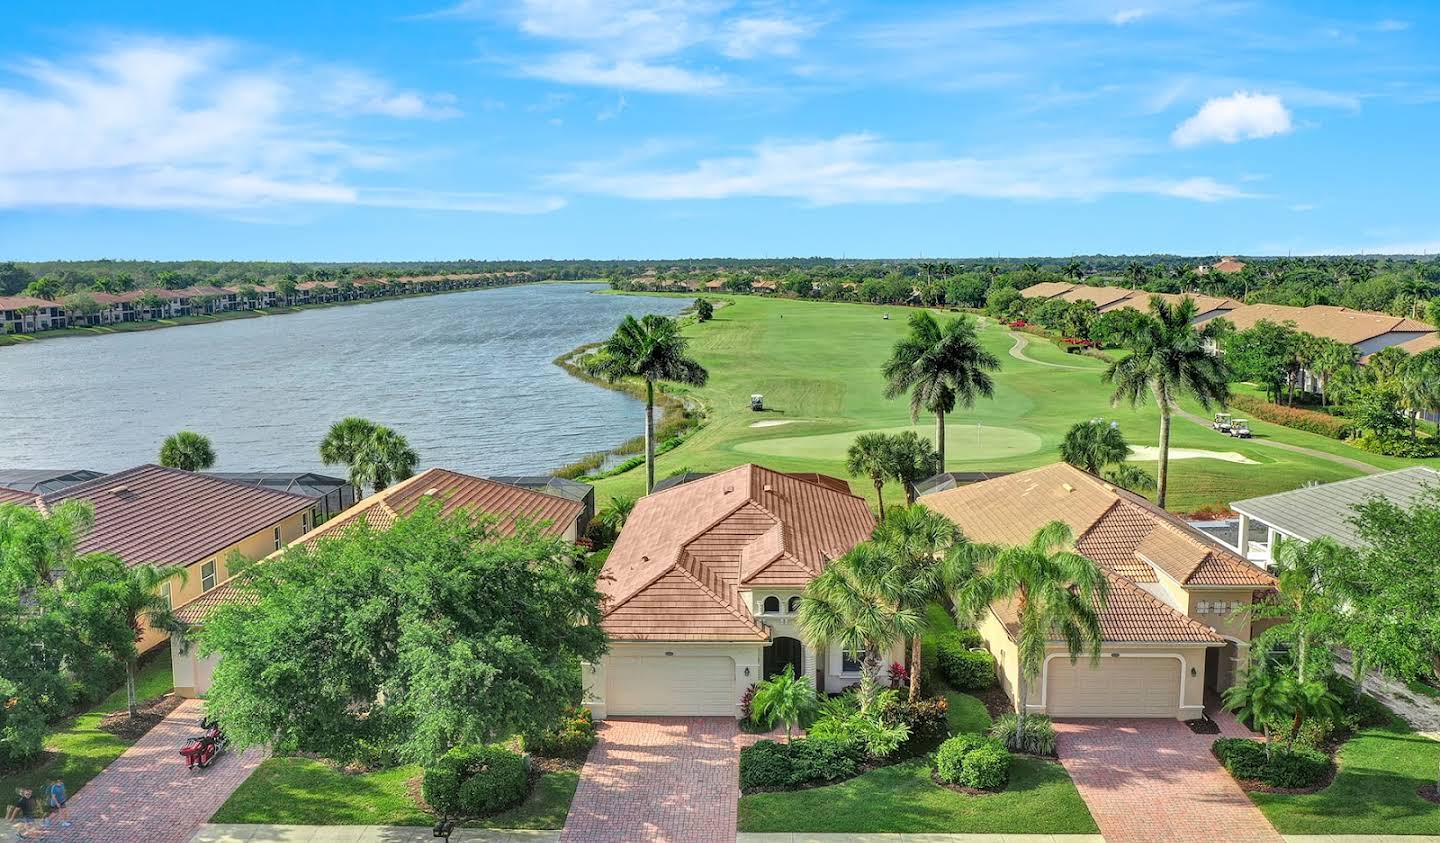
1018 352
148 796
1362 467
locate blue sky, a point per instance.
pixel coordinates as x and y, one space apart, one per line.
517 129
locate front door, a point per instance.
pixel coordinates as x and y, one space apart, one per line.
781 652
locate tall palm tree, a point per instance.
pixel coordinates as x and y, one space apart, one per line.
857 604
931 560
130 595
188 451
869 456
940 367
1092 445
375 455
1167 362
1136 272
912 459
1057 594
653 349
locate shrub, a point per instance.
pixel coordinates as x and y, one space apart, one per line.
475 781
926 719
768 764
1038 737
963 668
746 701
899 675
1298 767
987 768
1244 758
572 737
1398 446
950 759
1307 420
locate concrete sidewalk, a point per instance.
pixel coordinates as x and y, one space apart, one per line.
236 833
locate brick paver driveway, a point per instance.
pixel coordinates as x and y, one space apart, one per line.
666 779
147 795
1155 780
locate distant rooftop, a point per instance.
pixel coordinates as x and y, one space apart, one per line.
43 481
951 479
561 487
306 483
1326 510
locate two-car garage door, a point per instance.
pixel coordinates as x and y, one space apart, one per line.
1119 687
671 685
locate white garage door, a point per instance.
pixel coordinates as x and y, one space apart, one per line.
674 685
1119 687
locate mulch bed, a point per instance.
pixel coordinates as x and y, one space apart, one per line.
1203 726
149 713
996 703
1428 793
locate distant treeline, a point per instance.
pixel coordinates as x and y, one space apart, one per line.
1395 284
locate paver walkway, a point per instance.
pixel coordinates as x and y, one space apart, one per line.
661 779
147 795
1155 780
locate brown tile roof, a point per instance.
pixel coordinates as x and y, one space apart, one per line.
18 302
1337 323
454 490
1228 265
17 496
677 569
1129 537
194 612
1419 345
1047 289
1098 296
1140 300
1132 615
163 516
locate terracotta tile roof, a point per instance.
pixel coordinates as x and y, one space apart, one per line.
1337 323
1140 300
1047 289
454 490
163 516
17 496
195 611
1098 296
1129 537
676 571
1132 615
1419 345
1228 265
18 302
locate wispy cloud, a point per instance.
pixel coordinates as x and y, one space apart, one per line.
154 123
863 168
1392 25
1240 116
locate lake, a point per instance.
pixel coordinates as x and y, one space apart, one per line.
466 377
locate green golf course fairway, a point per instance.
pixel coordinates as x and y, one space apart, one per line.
993 442
818 366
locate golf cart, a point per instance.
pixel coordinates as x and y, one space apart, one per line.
1222 422
1240 429
757 402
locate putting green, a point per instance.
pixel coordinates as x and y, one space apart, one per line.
963 442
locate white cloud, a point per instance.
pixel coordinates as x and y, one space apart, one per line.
1125 16
1392 25
626 74
750 37
1240 116
150 123
862 168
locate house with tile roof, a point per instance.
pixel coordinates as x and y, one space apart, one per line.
1170 629
507 505
703 586
1106 299
1368 332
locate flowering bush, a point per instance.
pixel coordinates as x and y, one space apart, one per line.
1307 420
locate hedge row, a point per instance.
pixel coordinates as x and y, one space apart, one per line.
768 764
475 781
1307 420
1299 767
963 668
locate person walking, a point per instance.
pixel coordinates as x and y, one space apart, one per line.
55 799
23 811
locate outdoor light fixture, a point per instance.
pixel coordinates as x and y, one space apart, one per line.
747 671
668 653
1192 671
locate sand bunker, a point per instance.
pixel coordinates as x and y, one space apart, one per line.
772 422
1150 452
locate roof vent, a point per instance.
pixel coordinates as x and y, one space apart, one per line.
767 488
728 490
644 559
432 492
120 491
1067 487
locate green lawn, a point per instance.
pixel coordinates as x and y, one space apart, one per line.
81 749
302 791
1373 793
1039 800
818 365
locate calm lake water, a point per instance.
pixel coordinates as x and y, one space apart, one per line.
466 377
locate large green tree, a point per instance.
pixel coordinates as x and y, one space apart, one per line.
1092 445
1169 361
940 367
375 455
1264 354
188 451
653 349
1057 595
437 632
1393 614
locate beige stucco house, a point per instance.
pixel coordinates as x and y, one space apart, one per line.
1171 632
703 587
508 504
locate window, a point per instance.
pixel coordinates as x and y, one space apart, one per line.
1201 607
849 662
207 576
277 538
169 598
305 522
794 604
772 604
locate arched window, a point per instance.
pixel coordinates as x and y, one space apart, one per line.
772 604
794 604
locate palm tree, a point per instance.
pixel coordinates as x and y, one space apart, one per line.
912 459
187 451
869 456
616 512
786 698
856 604
653 349
939 367
375 455
931 560
39 547
1132 477
1263 697
1136 272
1310 601
131 595
1168 361
1092 445
1057 593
